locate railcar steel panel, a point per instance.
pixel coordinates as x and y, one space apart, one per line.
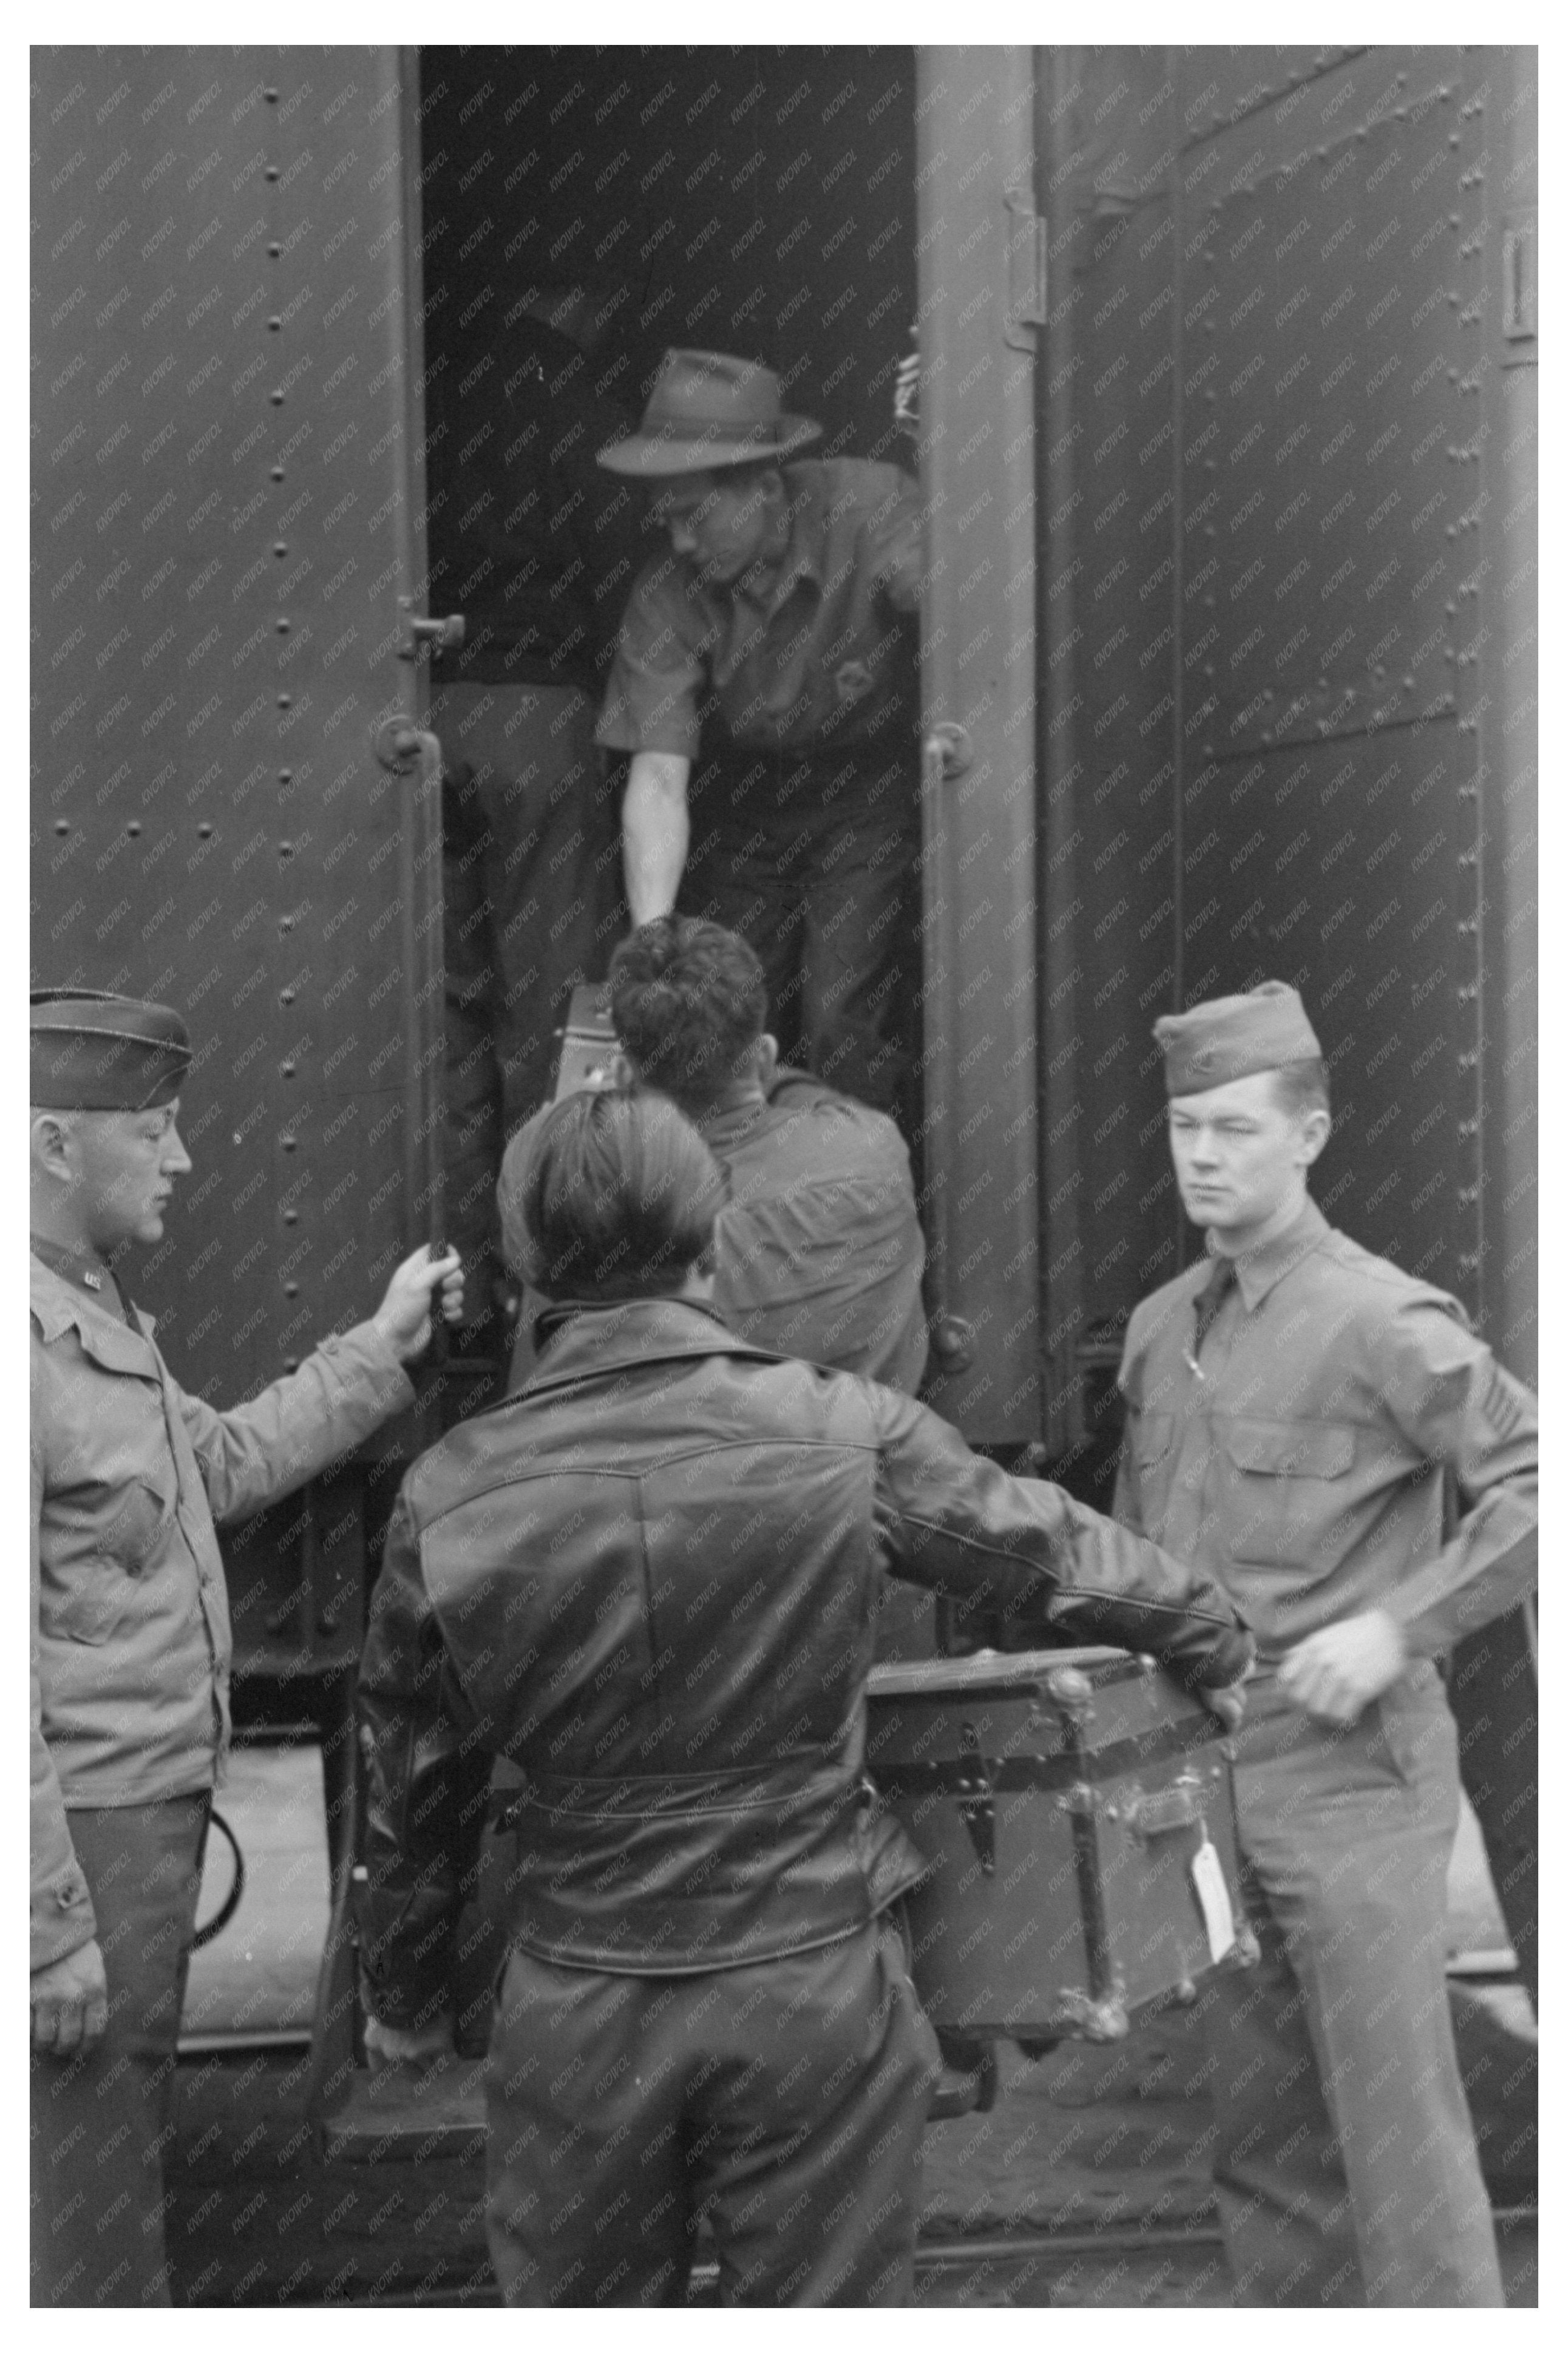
1334 865
1233 89
1300 343
1369 838
1115 967
1333 509
1336 476
1505 575
227 516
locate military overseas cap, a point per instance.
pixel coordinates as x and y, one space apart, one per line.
92 1051
1231 1037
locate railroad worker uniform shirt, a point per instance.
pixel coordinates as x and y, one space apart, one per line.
793 658
818 1247
796 692
1297 1451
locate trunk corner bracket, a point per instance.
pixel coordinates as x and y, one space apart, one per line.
977 1799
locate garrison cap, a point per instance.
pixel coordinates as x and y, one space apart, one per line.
92 1051
1231 1037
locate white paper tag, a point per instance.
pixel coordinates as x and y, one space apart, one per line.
1213 1897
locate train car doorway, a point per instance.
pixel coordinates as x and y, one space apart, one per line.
838 216
581 213
760 201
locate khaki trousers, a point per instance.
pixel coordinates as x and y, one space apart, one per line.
1344 2161
100 2120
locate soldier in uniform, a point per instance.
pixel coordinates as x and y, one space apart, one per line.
819 1249
650 1580
130 1630
1294 1409
773 641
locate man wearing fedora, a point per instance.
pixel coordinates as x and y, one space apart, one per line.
1296 1409
772 650
536 547
131 1637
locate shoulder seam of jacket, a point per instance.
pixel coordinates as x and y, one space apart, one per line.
521 1477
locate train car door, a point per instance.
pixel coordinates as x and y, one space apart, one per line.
232 803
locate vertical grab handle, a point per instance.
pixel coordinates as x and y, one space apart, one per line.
406 750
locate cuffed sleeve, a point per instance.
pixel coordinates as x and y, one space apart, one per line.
263 1450
955 1523
1457 1406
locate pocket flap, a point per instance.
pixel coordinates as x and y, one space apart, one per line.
112 1344
132 1531
1291 1450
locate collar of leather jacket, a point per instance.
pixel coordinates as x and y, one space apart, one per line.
583 1338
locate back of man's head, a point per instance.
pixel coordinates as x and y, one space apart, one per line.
688 1005
617 1198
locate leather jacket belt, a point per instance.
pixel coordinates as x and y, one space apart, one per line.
803 1786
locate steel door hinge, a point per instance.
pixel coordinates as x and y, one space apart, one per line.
1026 272
1518 277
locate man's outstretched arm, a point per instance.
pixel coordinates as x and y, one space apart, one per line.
955 1523
656 831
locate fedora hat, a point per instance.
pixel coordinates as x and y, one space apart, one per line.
707 409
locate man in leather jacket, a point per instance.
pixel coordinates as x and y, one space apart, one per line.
651 1580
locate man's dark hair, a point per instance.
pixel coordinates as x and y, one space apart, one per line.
617 1198
1300 1087
688 1003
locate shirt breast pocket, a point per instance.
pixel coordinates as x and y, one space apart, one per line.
136 1526
1286 1491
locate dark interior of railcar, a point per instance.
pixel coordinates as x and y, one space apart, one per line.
759 201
